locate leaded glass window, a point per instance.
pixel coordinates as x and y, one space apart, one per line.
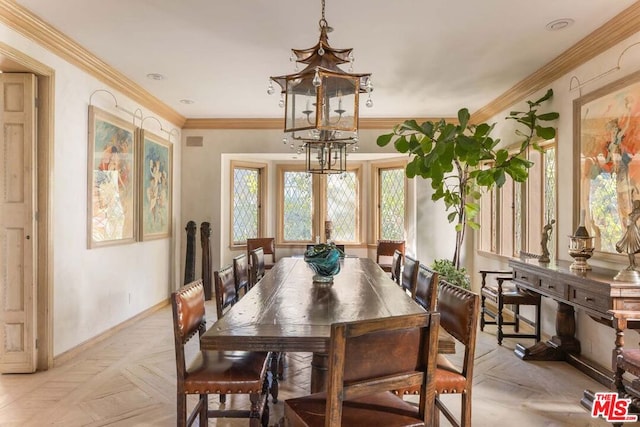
550 188
343 206
392 204
246 204
297 206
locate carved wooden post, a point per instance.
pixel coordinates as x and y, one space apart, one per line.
190 262
205 234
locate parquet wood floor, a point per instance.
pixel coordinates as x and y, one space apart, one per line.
129 380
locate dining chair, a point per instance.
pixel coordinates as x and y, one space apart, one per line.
396 266
225 289
426 288
385 250
257 267
214 372
367 359
458 308
241 274
503 291
409 277
268 245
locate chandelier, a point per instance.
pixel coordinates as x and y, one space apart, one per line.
321 104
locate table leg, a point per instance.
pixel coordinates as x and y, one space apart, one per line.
319 371
560 344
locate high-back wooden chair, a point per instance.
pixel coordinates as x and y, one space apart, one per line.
241 274
409 277
426 288
385 250
458 310
268 245
225 289
366 359
396 266
214 372
257 268
501 290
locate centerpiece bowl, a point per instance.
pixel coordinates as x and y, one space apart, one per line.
324 259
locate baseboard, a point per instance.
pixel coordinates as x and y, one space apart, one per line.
80 348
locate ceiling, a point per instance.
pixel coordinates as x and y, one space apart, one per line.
428 57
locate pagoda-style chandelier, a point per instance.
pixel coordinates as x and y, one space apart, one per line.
321 104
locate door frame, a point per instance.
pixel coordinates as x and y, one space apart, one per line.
15 61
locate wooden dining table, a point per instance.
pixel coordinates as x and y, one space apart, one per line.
287 312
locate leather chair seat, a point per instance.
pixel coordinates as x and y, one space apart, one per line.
510 295
310 410
230 372
448 377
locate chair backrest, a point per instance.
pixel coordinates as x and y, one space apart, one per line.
257 265
241 273
396 266
426 288
268 245
225 284
458 310
370 356
409 277
187 304
388 247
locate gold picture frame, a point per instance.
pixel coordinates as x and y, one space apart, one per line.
112 180
607 160
156 186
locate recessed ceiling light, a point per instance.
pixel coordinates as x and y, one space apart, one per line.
155 76
559 24
187 101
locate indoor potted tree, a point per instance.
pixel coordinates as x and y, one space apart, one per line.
462 159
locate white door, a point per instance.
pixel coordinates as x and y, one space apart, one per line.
17 224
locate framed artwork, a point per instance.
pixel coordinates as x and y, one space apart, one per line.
156 184
112 179
607 156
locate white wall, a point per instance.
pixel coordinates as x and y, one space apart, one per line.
93 290
596 340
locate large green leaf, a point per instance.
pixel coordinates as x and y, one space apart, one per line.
401 144
383 140
411 125
545 132
545 97
501 156
548 116
499 177
428 128
463 117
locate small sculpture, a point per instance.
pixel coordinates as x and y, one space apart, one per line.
630 244
546 235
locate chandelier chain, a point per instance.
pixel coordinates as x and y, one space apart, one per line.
323 21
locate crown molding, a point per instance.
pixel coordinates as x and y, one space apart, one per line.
383 123
616 30
30 26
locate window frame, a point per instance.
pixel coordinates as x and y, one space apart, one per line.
262 169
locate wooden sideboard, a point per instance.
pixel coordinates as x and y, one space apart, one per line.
595 292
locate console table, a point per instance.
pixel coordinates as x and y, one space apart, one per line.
593 291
